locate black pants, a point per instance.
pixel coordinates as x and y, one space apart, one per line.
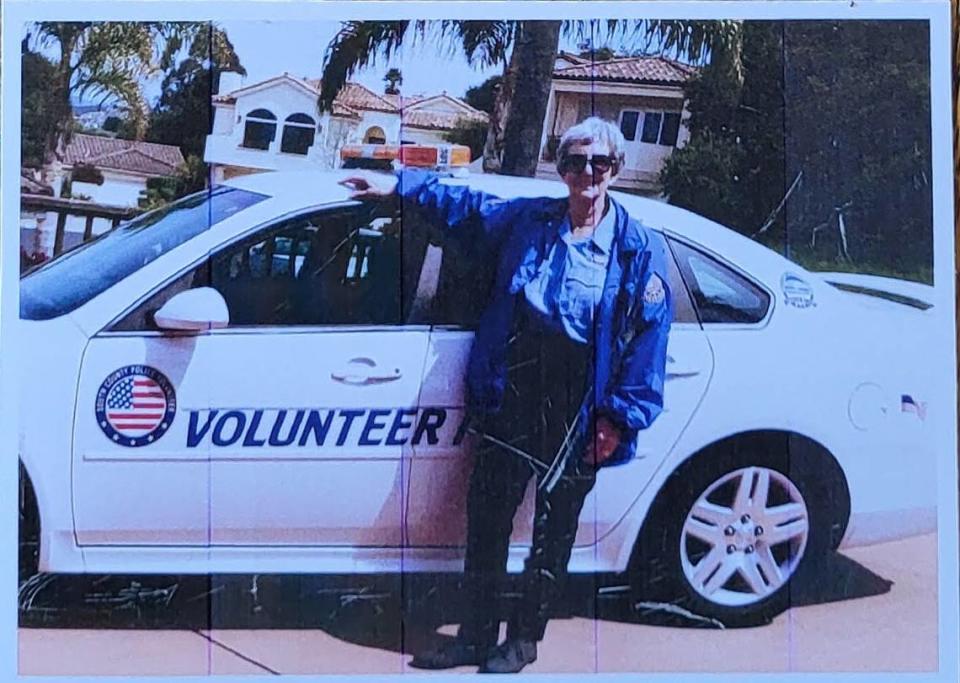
545 388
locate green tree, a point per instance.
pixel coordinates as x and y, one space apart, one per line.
394 79
191 177
484 96
183 115
106 60
832 119
600 54
527 50
469 132
858 126
732 169
39 107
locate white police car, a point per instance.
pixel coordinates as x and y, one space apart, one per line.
268 378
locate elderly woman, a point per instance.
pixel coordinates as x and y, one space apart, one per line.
566 368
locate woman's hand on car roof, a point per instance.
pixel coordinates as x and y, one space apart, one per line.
370 185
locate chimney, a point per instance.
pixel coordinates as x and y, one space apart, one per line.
229 82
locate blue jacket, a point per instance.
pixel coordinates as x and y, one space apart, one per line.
635 310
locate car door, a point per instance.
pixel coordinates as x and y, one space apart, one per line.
440 473
285 429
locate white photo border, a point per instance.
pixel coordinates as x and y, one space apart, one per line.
938 12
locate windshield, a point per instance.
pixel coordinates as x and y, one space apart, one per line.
72 279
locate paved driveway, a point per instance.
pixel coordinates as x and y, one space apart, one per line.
875 610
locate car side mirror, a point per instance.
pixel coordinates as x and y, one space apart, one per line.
195 310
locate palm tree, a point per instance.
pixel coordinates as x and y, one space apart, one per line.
527 50
112 60
394 79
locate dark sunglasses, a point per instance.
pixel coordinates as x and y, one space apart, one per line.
577 163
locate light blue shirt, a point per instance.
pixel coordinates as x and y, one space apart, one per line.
568 284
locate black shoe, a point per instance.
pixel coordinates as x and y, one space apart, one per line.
510 657
450 654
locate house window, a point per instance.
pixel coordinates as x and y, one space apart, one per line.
659 128
260 129
652 121
628 124
298 134
375 136
670 129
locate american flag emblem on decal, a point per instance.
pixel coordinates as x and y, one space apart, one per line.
135 405
909 405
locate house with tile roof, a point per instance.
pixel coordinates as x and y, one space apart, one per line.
274 124
643 95
123 167
106 172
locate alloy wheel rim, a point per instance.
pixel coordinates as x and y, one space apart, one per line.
744 537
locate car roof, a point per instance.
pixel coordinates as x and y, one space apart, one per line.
300 189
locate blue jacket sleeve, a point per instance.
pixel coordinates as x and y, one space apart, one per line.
462 212
637 399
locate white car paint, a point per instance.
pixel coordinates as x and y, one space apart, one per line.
834 372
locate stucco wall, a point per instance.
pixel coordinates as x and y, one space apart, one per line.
282 99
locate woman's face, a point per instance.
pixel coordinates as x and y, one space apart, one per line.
583 180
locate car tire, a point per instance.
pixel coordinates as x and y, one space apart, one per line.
29 529
696 519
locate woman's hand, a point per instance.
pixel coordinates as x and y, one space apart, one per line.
370 185
606 439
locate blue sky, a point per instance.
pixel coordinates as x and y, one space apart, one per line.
268 49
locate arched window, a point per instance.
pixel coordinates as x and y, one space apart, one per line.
298 134
260 129
375 136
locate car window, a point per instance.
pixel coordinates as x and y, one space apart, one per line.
454 282
71 280
721 295
345 267
326 269
683 311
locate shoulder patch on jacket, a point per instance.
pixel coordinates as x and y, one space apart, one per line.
653 293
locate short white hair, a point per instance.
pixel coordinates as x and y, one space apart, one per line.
590 130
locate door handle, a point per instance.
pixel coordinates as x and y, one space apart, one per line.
677 370
362 371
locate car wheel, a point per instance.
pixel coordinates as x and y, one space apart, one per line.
731 531
29 529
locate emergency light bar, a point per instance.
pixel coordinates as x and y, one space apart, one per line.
413 156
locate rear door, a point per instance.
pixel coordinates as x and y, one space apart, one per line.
440 473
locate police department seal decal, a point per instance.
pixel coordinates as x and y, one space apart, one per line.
653 293
135 405
797 292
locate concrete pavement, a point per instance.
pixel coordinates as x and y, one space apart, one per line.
861 624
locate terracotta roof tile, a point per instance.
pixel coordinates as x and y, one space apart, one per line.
631 70
340 109
149 158
437 120
400 101
357 96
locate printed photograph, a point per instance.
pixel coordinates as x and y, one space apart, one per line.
517 345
